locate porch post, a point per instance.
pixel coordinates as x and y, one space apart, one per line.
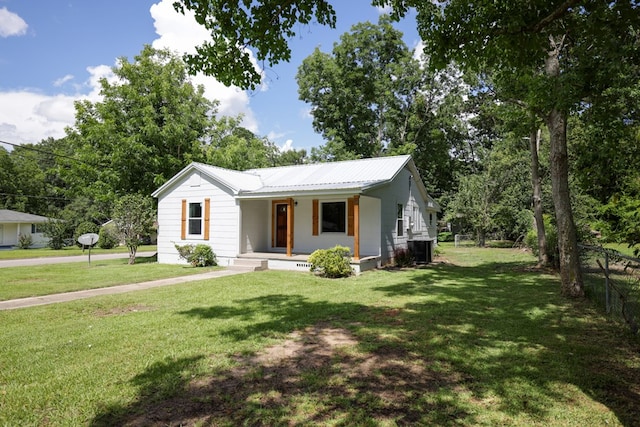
289 226
356 227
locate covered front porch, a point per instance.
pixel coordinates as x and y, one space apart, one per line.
286 230
299 262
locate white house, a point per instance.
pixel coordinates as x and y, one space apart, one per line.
282 214
14 223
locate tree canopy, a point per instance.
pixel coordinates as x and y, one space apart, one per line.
235 26
148 126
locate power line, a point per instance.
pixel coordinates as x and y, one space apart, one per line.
51 153
34 197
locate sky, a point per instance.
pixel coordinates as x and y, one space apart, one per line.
54 52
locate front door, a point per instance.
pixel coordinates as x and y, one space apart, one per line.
281 226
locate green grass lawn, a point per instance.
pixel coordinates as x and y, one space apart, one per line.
481 339
21 282
67 251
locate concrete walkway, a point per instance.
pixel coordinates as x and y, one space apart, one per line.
71 296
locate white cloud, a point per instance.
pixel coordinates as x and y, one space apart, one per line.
384 10
28 116
11 24
287 146
62 80
305 113
33 116
182 34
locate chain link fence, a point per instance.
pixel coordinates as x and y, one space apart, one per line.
612 280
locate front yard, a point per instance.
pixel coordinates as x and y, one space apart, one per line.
481 339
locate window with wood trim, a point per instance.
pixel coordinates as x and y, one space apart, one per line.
195 219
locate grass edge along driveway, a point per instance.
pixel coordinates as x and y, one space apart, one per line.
46 279
480 340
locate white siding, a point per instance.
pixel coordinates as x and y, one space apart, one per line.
255 223
224 223
9 235
306 242
402 190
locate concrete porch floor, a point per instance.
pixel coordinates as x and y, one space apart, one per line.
280 261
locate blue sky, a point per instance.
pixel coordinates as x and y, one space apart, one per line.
53 52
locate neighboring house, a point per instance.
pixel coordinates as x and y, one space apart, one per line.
282 214
13 224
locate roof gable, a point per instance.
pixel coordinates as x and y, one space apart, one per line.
235 181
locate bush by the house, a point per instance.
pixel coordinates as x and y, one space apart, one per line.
24 241
197 255
107 238
333 263
403 257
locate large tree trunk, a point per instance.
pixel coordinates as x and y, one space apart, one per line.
536 182
570 273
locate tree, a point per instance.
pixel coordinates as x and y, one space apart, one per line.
565 40
133 216
370 96
234 147
149 125
356 92
236 25
473 204
576 45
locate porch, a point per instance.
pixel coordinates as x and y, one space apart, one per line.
300 262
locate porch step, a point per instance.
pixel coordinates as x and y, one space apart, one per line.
249 264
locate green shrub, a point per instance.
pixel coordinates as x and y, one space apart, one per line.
445 236
333 263
107 238
197 255
25 241
403 257
57 232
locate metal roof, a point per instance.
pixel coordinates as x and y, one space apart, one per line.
15 217
350 174
317 178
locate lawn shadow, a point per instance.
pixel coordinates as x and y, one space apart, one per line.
494 335
321 372
506 328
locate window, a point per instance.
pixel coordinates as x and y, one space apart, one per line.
416 225
36 228
334 217
400 221
195 218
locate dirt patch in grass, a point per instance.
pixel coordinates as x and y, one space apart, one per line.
316 376
116 311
